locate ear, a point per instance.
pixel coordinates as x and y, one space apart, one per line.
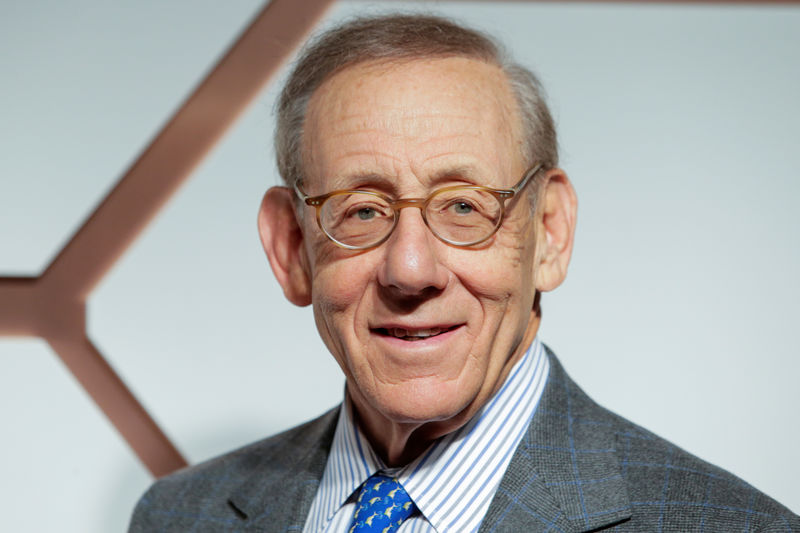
282 239
557 210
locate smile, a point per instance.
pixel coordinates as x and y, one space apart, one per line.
413 334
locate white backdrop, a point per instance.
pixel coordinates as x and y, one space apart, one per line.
678 126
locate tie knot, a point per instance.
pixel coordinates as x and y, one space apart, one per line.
383 504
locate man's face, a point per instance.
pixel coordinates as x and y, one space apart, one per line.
424 331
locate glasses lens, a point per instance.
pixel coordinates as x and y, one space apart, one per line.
357 220
463 215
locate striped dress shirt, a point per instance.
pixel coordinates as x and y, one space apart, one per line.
454 481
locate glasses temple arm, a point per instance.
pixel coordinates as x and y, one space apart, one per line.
524 181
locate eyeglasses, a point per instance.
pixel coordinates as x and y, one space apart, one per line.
462 215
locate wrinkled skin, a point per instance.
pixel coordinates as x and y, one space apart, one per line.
425 332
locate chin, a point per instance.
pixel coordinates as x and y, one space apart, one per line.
421 402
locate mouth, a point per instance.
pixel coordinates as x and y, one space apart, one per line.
413 334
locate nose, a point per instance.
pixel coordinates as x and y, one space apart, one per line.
412 265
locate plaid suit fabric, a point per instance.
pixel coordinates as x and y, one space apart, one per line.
583 468
266 486
579 468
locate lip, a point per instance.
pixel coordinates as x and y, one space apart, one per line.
383 332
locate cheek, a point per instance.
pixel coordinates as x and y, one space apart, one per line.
519 245
340 283
501 279
338 291
499 273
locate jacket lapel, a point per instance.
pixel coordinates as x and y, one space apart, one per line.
565 475
280 490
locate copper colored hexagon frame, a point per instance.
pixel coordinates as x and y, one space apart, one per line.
53 305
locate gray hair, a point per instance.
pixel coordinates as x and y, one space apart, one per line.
397 38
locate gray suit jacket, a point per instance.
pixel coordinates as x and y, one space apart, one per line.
579 468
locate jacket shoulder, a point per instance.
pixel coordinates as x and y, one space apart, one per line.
198 495
674 490
608 472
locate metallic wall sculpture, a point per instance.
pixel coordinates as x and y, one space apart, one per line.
53 305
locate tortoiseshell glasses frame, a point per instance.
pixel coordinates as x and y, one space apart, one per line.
460 215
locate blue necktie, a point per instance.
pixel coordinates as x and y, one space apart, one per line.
383 504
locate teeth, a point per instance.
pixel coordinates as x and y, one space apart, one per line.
418 333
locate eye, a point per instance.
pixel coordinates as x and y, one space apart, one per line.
366 213
461 206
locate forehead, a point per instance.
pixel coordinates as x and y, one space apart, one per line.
415 116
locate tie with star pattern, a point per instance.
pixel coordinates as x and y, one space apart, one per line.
383 504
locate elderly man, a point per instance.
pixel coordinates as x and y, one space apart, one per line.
423 216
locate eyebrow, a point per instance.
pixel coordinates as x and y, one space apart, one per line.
463 173
467 174
362 179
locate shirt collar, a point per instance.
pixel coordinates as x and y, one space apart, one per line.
350 462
